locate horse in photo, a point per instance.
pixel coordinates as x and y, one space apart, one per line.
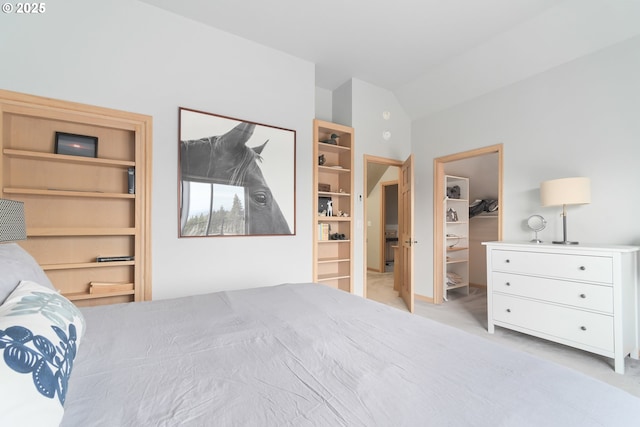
227 160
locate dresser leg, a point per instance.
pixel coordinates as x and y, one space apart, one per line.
619 365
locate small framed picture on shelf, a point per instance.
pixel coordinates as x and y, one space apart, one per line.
325 206
71 144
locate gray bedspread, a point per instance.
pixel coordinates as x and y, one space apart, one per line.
307 355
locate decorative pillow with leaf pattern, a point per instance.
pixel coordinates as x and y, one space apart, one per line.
40 331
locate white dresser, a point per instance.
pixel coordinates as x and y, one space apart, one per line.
584 296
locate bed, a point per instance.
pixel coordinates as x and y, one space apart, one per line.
307 355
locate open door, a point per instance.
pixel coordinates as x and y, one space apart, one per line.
406 232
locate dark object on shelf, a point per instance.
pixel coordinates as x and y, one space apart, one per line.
114 258
76 145
332 139
321 159
337 236
453 192
132 180
324 187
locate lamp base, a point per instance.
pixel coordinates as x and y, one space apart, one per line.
565 242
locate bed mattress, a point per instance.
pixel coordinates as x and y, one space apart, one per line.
308 355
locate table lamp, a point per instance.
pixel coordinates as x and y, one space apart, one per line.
563 192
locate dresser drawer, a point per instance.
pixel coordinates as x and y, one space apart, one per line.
591 329
563 266
576 294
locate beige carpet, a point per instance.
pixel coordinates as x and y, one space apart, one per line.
470 314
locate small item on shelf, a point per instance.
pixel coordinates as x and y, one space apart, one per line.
455 242
105 287
332 139
453 192
337 236
452 215
323 231
323 205
114 258
321 159
72 144
131 173
453 279
324 187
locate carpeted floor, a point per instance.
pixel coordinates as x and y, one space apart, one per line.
470 314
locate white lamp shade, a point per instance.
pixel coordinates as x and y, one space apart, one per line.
565 191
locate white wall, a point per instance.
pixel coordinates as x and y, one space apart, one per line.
324 100
128 55
579 119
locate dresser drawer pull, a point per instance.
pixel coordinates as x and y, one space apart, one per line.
508 284
583 268
507 260
508 310
583 296
583 328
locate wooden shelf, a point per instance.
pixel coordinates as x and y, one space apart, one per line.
331 169
330 148
80 265
333 194
456 249
334 218
67 193
323 278
78 207
68 159
79 231
78 296
333 259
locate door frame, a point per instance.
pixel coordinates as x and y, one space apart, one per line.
438 212
383 161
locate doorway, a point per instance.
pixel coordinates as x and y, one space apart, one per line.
387 214
484 166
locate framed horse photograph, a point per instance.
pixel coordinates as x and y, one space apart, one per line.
237 178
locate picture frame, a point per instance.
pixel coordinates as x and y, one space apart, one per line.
236 177
72 144
323 204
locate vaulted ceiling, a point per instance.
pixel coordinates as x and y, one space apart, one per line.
431 54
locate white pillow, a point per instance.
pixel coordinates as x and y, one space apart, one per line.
16 264
40 332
